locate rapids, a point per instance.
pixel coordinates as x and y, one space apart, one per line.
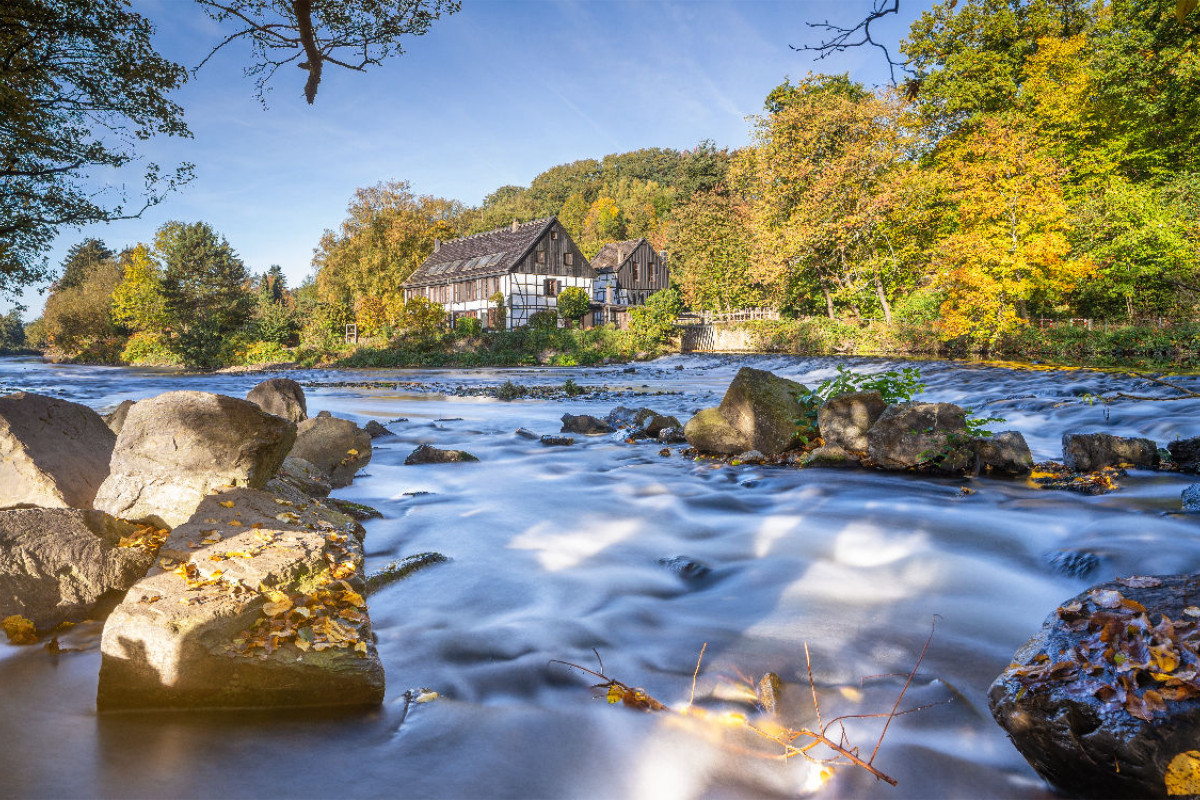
556 551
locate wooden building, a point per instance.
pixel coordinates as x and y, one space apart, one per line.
626 274
528 264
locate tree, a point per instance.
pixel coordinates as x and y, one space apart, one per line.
12 331
80 85
653 322
137 301
710 254
79 261
421 315
204 288
77 321
573 303
352 34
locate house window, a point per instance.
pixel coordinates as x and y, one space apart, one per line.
551 287
634 265
539 256
568 259
554 236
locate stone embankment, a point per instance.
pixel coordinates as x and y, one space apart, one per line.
241 586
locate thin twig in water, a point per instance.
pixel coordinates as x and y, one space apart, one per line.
692 697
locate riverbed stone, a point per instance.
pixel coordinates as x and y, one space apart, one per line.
830 457
115 419
282 397
375 429
766 409
907 435
671 435
1186 454
550 440
53 453
257 603
428 454
1088 452
177 447
710 432
584 424
305 476
626 417
845 419
1103 699
1191 498
56 564
655 424
336 446
1006 453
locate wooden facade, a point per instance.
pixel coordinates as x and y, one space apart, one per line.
626 274
529 264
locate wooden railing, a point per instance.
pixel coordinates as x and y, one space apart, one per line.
740 315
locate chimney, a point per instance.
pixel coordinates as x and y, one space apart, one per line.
514 225
437 244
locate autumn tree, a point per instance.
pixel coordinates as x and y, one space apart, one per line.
351 34
80 86
77 321
710 248
573 303
137 301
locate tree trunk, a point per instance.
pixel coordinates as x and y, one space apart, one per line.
828 302
883 301
303 11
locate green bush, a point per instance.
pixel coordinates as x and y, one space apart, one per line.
151 350
543 320
468 326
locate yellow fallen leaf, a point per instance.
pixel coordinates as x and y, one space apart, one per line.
361 647
276 609
227 503
302 644
353 598
233 523
1183 774
352 452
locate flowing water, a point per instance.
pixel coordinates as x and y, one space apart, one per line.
556 551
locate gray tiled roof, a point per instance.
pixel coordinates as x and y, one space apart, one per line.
606 259
489 253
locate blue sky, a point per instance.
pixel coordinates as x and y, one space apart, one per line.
490 96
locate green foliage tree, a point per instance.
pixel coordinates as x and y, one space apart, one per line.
573 304
422 316
80 85
12 331
77 322
710 248
80 259
137 301
653 323
205 290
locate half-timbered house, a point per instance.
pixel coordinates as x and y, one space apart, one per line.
626 274
527 264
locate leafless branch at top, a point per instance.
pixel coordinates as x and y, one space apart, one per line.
842 38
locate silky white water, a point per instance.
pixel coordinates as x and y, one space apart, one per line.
556 551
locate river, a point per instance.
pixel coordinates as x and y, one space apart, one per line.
554 551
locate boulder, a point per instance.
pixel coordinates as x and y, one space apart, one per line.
336 446
766 409
427 454
375 430
845 419
1088 452
57 563
305 476
1006 453
1104 701
257 603
657 423
115 419
671 435
282 397
584 424
710 432
1191 498
912 434
557 441
830 457
624 417
177 447
53 453
525 433
1186 454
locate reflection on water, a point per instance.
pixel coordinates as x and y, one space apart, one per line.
556 551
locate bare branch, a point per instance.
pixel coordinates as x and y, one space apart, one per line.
842 38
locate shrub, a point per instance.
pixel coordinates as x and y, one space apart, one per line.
543 320
468 326
150 349
653 323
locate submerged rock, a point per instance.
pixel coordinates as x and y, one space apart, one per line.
282 397
673 435
1104 700
262 607
1088 452
557 441
1006 453
830 457
749 457
525 433
53 453
177 447
375 430
1191 497
336 446
625 417
1073 563
57 564
428 454
908 435
845 419
690 569
584 424
1186 453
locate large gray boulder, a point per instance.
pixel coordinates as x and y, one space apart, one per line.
115 419
336 446
177 447
56 564
1088 452
766 409
1006 453
921 434
304 476
261 607
1104 699
53 453
282 397
1186 453
710 432
845 419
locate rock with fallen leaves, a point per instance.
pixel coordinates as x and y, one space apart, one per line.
336 446
282 397
57 564
1105 698
1088 452
177 447
55 453
254 602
